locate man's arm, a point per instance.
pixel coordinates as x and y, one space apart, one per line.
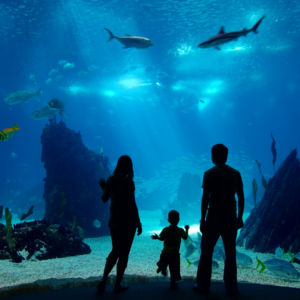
204 204
241 203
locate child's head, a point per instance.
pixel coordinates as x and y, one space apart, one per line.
173 217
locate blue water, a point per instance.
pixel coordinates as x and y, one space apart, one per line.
249 88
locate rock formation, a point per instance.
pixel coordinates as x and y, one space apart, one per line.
71 191
275 220
40 240
187 202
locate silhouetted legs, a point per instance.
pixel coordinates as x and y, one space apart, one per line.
122 240
173 261
218 226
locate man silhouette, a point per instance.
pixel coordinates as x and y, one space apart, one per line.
220 184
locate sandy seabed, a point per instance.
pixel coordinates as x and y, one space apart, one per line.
144 254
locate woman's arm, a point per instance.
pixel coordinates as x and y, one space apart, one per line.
105 186
134 207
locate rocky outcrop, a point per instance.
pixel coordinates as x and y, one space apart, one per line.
187 202
71 191
275 220
40 240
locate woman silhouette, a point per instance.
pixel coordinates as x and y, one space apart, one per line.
123 221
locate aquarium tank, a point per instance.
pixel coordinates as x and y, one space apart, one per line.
86 81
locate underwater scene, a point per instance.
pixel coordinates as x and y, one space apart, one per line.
84 82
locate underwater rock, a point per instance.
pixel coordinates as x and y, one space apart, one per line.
71 186
40 240
187 202
275 220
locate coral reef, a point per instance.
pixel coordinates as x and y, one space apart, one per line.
40 240
71 186
275 220
187 202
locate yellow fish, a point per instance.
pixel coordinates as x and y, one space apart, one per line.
7 133
101 151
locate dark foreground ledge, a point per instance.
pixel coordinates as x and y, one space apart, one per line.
140 290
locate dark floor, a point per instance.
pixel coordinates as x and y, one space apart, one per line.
157 291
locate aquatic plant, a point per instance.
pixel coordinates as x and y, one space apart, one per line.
254 190
274 151
8 231
263 180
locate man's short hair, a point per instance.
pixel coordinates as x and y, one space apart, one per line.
173 215
220 153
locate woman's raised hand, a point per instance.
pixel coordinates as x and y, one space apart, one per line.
102 183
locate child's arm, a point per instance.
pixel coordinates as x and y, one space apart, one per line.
156 237
186 232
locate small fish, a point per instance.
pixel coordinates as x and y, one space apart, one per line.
53 72
21 96
149 69
82 74
62 62
97 223
46 113
101 151
68 66
93 68
48 81
279 267
223 38
13 155
7 133
279 253
214 264
162 75
243 260
201 101
59 77
31 78
131 41
17 194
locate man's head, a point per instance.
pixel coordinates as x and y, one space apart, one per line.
173 217
219 154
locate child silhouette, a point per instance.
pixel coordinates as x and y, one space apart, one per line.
170 255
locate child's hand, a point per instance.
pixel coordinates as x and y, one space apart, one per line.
154 237
187 227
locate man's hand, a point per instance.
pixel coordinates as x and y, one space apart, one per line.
203 226
102 183
187 227
154 237
240 223
139 230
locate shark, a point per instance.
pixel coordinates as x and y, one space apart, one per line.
131 41
223 38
